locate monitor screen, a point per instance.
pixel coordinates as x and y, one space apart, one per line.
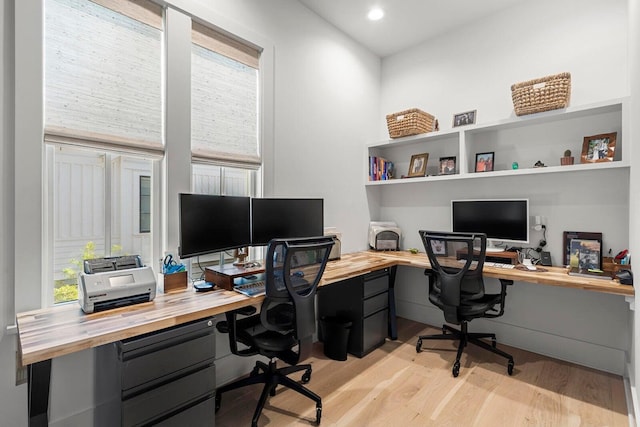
505 220
213 223
285 218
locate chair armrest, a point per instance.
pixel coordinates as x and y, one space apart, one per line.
229 326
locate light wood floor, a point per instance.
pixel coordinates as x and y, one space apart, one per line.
395 386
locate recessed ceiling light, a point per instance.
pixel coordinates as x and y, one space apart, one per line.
375 14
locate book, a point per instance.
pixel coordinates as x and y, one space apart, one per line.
591 273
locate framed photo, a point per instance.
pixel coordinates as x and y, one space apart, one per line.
466 118
568 236
585 254
418 165
484 162
447 165
599 148
439 247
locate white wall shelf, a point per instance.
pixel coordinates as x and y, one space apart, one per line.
525 140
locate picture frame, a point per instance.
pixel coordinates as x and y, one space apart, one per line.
418 165
466 118
439 247
568 236
585 254
484 162
447 165
599 148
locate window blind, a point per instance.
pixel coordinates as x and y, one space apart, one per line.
103 74
224 99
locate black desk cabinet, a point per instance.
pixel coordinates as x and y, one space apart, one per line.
166 378
364 300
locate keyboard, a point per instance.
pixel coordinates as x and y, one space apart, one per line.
499 264
489 264
251 289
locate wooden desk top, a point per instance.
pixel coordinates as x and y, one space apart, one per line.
56 331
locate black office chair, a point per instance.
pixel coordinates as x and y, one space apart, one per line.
287 319
458 290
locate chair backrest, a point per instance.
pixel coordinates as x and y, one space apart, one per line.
294 268
456 282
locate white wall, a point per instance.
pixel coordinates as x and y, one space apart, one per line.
473 68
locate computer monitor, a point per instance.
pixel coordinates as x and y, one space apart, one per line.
285 218
211 223
502 220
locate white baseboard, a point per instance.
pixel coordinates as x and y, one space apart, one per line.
583 353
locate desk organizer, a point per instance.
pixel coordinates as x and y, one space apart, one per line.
542 94
175 281
409 122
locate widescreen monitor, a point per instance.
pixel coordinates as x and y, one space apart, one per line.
211 223
502 220
285 218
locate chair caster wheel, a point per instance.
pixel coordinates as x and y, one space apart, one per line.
419 346
510 367
318 414
306 377
456 369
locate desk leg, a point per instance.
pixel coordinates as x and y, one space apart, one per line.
393 326
39 379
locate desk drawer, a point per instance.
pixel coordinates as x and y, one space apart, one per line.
168 398
146 369
377 303
374 331
376 284
201 415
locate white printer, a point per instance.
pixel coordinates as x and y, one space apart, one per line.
384 236
115 282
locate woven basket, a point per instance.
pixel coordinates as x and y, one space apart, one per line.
543 94
409 122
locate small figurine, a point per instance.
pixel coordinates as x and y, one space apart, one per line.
539 164
514 165
437 126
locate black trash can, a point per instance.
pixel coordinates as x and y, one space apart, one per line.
335 333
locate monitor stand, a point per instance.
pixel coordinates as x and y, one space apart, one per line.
491 248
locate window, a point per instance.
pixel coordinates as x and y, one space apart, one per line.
224 118
103 132
145 204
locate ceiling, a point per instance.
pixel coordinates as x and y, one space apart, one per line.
406 22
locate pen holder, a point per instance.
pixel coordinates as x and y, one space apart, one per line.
175 281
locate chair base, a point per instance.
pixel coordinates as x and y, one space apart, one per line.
271 377
465 337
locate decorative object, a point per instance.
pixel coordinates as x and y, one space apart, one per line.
409 122
447 165
466 118
439 247
539 164
567 159
542 94
568 236
484 162
418 165
515 165
599 148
